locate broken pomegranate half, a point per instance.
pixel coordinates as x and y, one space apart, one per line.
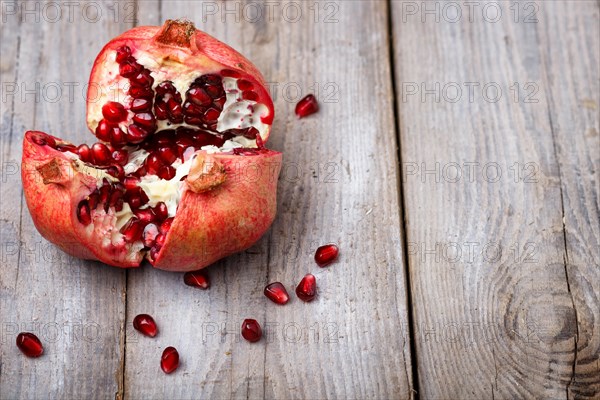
180 175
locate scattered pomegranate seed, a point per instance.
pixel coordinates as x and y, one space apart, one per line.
276 293
169 360
29 344
326 254
307 288
145 324
306 106
251 330
197 279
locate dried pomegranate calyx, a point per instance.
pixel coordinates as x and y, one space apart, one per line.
206 173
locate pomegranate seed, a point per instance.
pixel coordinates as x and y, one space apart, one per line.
160 110
146 215
197 279
114 112
103 130
120 157
165 87
143 78
116 170
129 68
244 85
251 330
161 211
149 235
154 253
119 205
167 154
29 344
138 92
136 134
211 115
145 120
308 105
166 172
192 110
307 288
145 324
131 182
133 229
153 163
93 200
84 153
276 293
114 197
83 212
215 91
123 53
105 191
101 154
41 139
326 254
141 104
210 79
160 240
175 111
198 96
165 226
169 360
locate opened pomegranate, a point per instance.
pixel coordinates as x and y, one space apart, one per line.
180 175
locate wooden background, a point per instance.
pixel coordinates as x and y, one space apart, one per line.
455 160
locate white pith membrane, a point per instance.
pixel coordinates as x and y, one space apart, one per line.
237 113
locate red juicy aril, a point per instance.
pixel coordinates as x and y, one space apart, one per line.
179 175
29 344
197 279
307 288
326 254
276 293
251 330
306 106
145 324
169 360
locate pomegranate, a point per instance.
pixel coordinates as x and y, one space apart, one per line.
180 175
29 344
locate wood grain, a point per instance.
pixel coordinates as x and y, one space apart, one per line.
75 307
573 90
338 184
521 323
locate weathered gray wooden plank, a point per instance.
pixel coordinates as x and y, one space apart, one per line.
490 324
339 184
571 59
75 307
